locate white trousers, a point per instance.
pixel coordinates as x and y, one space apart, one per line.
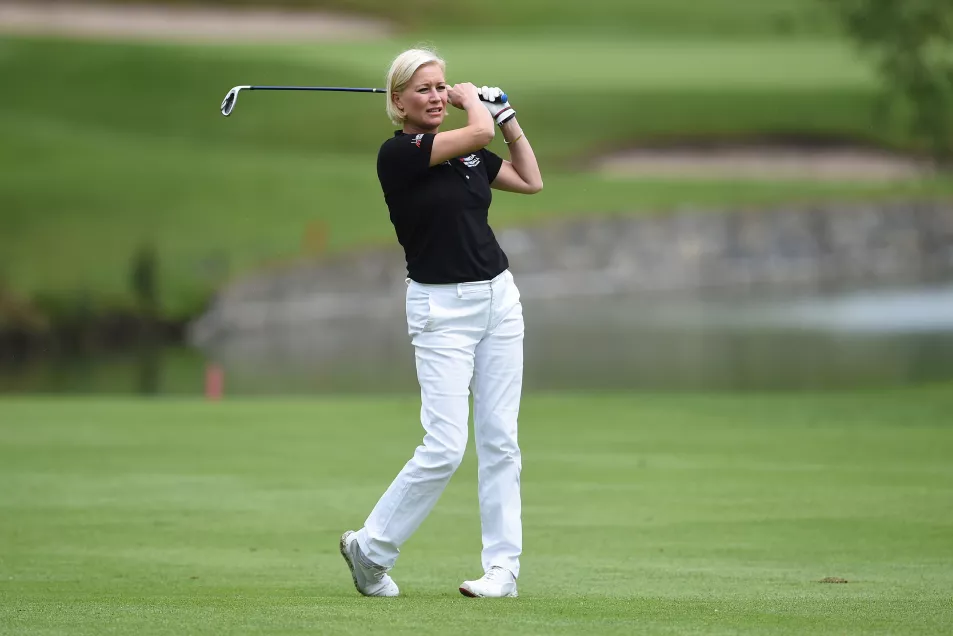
461 333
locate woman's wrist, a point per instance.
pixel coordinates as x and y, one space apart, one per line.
511 131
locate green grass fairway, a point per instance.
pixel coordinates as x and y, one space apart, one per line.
668 514
636 17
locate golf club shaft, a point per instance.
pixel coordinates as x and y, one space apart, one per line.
503 97
228 104
315 88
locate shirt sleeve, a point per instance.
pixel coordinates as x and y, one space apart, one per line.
403 159
493 163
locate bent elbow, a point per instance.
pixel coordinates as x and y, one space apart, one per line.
536 187
480 137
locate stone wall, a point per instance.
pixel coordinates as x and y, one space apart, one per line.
686 252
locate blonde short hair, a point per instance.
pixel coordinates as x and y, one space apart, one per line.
401 70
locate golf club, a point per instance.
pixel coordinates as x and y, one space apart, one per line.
228 104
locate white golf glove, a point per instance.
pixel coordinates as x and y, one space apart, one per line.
492 98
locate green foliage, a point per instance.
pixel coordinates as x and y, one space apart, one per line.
642 514
912 41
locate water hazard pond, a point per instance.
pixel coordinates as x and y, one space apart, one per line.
858 339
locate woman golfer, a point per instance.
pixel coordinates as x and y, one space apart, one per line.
463 315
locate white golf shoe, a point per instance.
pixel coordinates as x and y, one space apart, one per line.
497 583
370 579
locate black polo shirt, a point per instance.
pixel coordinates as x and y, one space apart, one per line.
440 212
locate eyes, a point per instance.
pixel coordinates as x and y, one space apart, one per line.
425 89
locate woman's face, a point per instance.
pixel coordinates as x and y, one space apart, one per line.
424 99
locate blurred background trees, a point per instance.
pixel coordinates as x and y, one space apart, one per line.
912 44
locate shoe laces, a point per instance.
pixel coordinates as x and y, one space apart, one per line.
375 570
498 574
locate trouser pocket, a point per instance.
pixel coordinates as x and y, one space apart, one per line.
419 312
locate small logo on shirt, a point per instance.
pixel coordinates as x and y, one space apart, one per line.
471 161
418 139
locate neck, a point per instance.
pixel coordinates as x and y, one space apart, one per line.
413 129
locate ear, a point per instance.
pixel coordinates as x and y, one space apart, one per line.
395 100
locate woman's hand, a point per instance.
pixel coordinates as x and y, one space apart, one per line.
493 98
463 95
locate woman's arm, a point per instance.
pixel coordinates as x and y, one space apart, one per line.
477 134
521 173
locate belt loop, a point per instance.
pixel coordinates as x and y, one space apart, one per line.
459 290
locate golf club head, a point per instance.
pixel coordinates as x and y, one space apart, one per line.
228 104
